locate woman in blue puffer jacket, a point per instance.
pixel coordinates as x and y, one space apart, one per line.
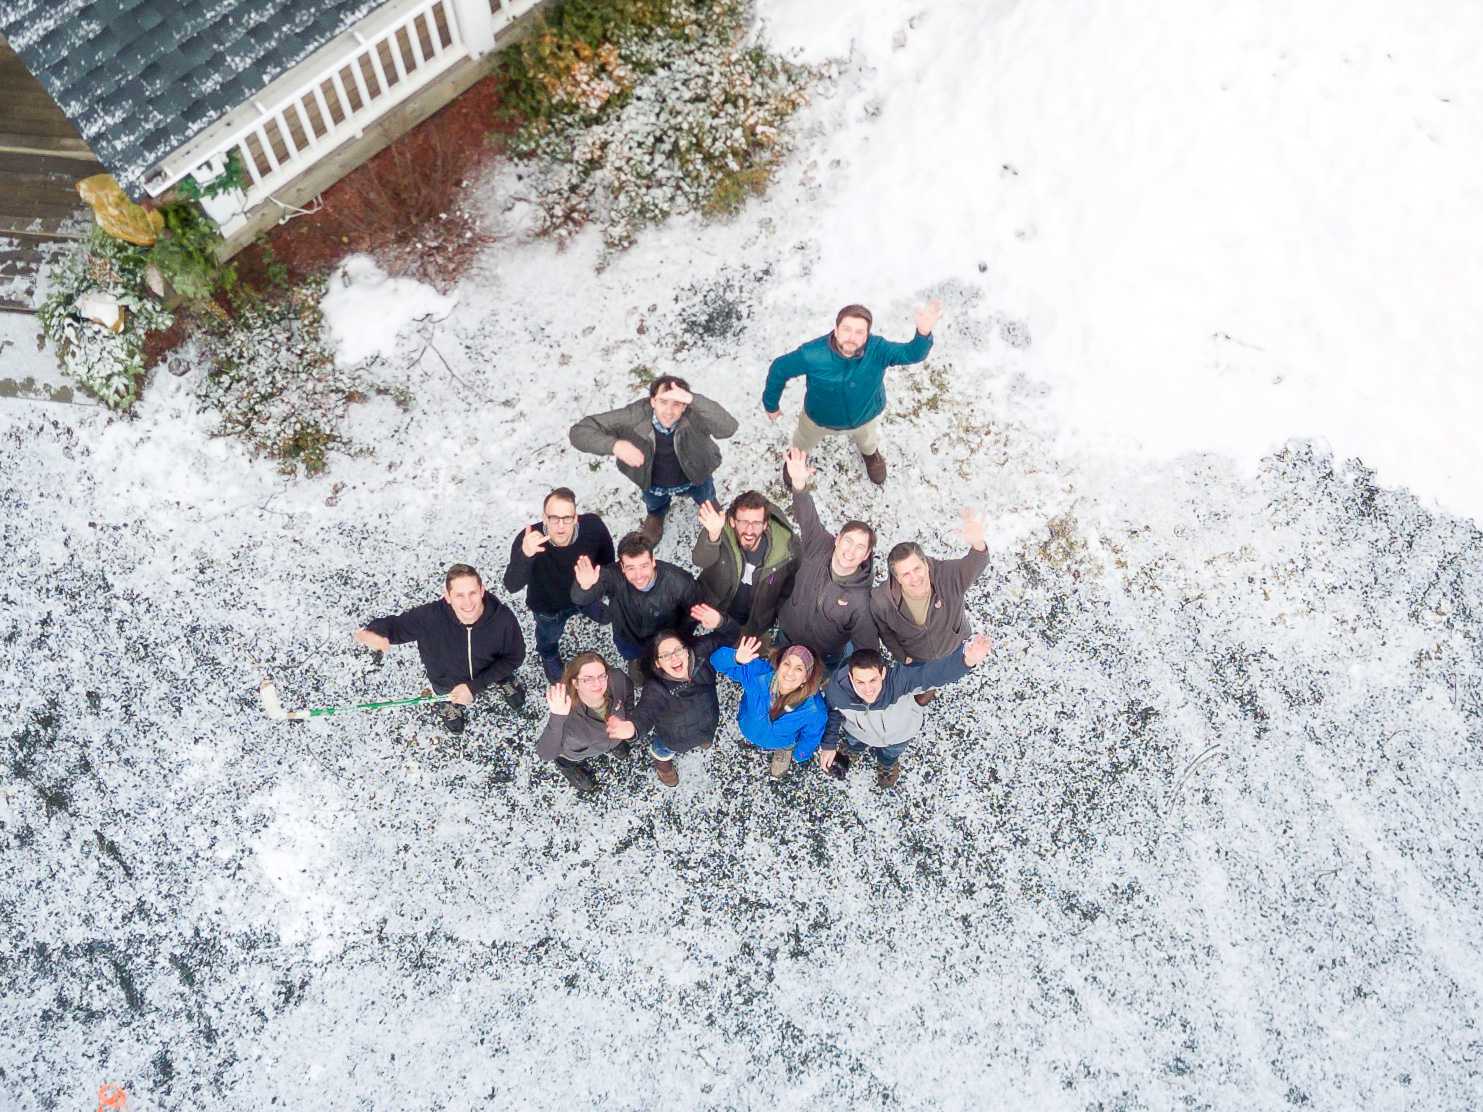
781 708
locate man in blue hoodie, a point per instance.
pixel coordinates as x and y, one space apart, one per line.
869 708
845 387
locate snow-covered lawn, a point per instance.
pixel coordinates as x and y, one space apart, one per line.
1204 833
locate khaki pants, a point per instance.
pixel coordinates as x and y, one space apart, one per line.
867 437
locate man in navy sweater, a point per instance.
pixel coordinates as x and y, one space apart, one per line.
542 559
468 641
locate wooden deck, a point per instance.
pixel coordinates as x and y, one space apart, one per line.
42 158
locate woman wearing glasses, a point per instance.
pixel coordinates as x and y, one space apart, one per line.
590 696
679 703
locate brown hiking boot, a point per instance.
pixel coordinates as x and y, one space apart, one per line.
875 467
780 762
887 777
925 697
652 527
668 774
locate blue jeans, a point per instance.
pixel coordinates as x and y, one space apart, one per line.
657 503
885 756
549 627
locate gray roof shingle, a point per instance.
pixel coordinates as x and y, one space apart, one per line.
139 77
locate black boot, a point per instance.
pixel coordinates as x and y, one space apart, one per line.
576 775
514 693
451 717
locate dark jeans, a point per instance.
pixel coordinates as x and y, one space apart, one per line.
626 648
549 627
659 503
885 757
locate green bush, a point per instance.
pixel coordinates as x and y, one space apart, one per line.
648 110
108 365
186 256
271 378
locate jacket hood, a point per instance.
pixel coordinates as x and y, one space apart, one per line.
491 608
841 693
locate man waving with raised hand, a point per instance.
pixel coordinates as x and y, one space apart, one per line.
845 387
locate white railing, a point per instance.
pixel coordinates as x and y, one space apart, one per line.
334 96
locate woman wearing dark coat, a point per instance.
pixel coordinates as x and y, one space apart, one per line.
679 702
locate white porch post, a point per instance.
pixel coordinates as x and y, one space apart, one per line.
476 25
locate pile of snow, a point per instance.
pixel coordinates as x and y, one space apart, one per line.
365 310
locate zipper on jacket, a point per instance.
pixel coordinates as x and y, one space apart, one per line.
469 630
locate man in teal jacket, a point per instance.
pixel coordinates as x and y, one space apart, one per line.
845 389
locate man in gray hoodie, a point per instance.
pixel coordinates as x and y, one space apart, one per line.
869 708
919 611
828 609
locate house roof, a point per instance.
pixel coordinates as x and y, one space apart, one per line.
139 77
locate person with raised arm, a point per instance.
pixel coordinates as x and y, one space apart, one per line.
643 596
845 381
746 558
918 611
829 607
869 709
781 711
589 695
543 559
679 703
665 443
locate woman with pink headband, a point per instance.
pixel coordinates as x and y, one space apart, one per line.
781 711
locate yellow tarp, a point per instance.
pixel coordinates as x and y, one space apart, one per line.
116 214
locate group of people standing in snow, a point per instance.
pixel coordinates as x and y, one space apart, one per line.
791 614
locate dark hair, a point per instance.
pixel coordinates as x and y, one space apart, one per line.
854 311
747 500
665 381
565 494
651 655
860 527
458 571
635 544
866 660
905 550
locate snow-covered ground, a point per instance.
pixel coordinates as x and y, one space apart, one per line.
1205 833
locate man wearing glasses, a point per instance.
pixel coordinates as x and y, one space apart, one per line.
543 559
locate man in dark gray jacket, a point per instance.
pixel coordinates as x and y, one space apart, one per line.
746 559
644 597
829 607
666 443
918 610
869 708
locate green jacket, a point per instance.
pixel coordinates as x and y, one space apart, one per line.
841 393
720 564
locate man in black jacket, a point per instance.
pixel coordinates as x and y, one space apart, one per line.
644 597
747 560
666 443
542 559
468 641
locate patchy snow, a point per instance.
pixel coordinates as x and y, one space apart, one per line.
1203 833
365 310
